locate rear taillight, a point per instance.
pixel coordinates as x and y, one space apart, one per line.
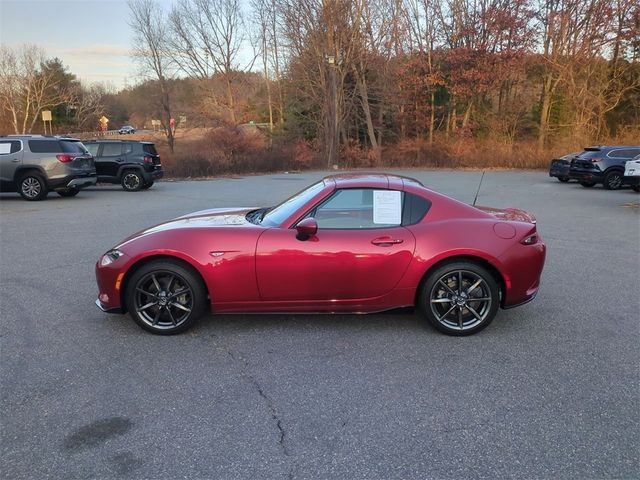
148 159
64 158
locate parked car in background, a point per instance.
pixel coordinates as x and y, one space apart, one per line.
34 165
126 129
560 166
133 164
602 164
632 173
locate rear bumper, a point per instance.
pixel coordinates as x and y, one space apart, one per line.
73 181
153 175
82 182
586 176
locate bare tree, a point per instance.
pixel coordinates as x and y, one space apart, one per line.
26 88
151 51
207 36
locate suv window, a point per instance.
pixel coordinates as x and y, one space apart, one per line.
72 146
111 149
93 148
128 148
360 208
628 153
9 146
44 146
149 148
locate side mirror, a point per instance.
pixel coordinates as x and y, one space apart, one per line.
306 228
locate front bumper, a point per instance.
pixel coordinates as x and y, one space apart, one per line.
107 309
631 180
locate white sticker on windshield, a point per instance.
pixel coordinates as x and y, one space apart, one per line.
387 207
5 148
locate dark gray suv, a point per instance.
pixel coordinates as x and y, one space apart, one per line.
34 165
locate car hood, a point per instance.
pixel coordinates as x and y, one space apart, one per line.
216 217
509 214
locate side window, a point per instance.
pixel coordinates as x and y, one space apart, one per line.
93 148
360 209
128 148
111 149
44 146
10 146
415 208
626 153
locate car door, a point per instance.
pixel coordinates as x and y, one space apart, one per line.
360 250
109 159
11 153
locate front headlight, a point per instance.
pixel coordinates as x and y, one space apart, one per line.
110 257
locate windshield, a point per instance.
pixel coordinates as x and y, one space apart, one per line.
279 214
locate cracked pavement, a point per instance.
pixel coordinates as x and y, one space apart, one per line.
548 390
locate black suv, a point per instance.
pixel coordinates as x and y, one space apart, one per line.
134 165
34 165
560 166
602 164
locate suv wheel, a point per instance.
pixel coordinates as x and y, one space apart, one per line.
68 192
32 187
587 184
563 179
132 181
612 180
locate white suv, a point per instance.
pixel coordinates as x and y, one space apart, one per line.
632 173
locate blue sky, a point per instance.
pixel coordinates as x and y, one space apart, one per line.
91 37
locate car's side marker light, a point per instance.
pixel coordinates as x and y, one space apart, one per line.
119 280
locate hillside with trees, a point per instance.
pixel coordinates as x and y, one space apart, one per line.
428 83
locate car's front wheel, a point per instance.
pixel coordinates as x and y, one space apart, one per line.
460 298
612 180
32 187
587 184
132 181
165 297
563 179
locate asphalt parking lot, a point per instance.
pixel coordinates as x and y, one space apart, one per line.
548 390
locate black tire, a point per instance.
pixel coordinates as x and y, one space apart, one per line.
147 185
131 181
32 187
155 302
612 180
69 192
587 184
448 307
563 179
636 188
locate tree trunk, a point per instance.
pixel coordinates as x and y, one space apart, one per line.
364 98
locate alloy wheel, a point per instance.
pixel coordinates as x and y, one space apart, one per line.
460 300
163 300
131 181
31 187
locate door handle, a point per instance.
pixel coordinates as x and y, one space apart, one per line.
15 160
386 241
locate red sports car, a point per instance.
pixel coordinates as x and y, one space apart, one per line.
350 243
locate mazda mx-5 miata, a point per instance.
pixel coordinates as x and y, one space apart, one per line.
354 243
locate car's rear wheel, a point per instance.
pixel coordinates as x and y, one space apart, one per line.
147 185
132 181
636 188
587 184
165 297
563 179
612 180
68 192
460 298
32 187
